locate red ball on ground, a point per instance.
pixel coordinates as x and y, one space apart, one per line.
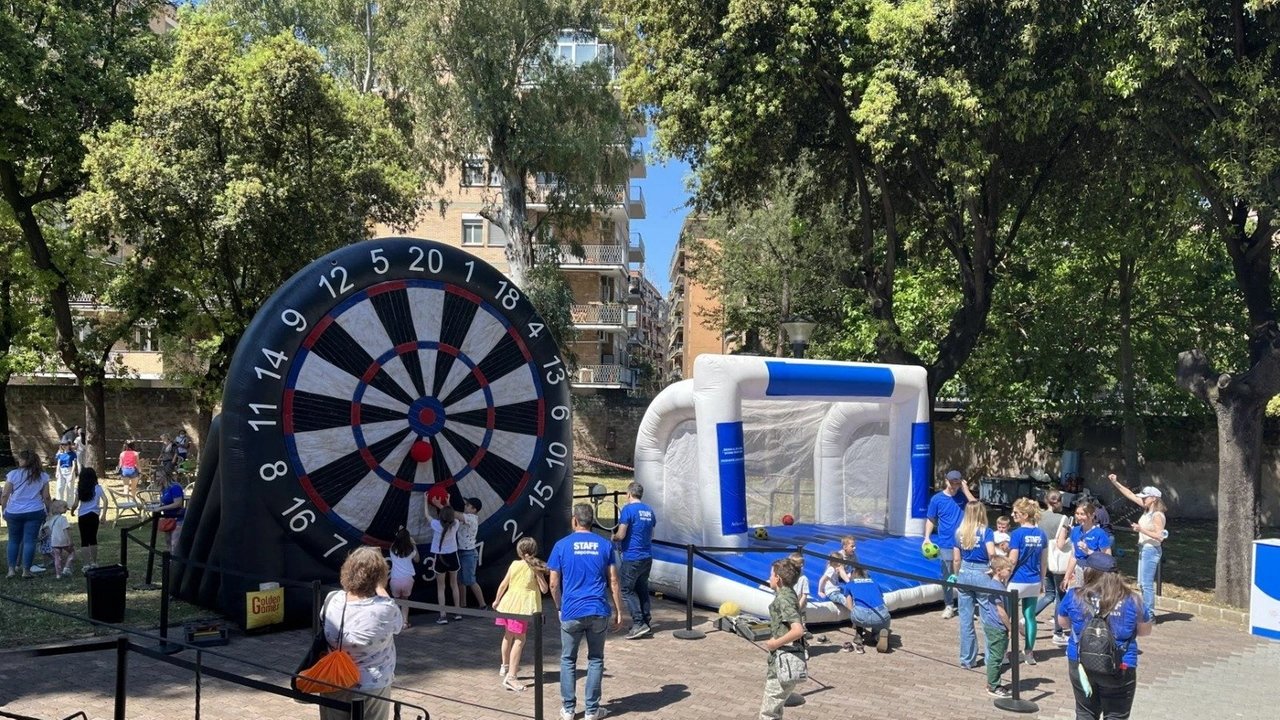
421 451
788 520
438 493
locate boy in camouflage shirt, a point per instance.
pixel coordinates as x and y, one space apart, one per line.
787 653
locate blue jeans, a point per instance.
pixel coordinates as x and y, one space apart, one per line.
1148 563
948 569
970 574
871 620
635 589
24 529
1052 595
593 627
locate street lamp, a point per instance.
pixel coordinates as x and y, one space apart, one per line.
799 330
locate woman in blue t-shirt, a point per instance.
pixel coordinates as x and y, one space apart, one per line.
1086 539
1029 553
973 550
1109 696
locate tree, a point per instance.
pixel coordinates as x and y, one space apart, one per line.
23 329
65 72
1203 78
485 80
935 127
353 34
239 167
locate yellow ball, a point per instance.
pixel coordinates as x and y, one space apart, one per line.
762 533
930 550
729 608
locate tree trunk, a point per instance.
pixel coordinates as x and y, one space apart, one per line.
204 420
1132 420
6 441
1239 475
95 422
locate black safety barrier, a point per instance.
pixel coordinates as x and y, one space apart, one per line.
124 645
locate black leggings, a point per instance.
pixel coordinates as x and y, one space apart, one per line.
1112 697
89 529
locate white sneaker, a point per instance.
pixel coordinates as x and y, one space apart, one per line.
598 715
37 569
503 670
948 613
566 714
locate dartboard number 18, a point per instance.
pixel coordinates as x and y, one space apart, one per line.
389 368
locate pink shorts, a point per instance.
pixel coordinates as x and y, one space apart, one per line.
516 627
400 587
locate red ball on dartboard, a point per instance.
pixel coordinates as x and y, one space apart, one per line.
438 492
420 451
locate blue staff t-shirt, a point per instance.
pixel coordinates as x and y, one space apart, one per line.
865 593
583 561
1124 623
65 459
1096 540
171 494
1029 542
639 519
947 512
978 554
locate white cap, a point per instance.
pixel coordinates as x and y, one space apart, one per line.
1150 491
954 475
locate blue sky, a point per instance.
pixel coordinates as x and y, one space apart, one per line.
665 209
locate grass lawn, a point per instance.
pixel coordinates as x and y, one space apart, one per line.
22 626
1189 557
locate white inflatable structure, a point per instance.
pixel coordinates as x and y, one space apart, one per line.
842 448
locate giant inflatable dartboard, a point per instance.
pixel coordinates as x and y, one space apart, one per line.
378 373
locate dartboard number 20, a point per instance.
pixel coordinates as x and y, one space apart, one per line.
387 369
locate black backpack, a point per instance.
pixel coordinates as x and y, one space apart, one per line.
1096 645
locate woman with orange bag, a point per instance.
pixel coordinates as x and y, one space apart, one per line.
363 620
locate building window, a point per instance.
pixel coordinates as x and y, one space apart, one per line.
143 340
473 172
472 231
497 238
495 176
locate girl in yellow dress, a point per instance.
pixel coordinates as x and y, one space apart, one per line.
519 594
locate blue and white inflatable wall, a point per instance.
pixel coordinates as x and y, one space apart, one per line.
867 420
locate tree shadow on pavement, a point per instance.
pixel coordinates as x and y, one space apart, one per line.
648 701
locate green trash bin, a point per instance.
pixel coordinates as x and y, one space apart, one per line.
106 592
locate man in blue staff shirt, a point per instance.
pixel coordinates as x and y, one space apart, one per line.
581 570
946 510
635 532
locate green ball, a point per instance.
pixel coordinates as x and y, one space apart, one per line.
762 533
930 550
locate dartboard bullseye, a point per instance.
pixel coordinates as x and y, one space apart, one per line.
385 370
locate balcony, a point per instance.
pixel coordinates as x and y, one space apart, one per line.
635 250
604 376
639 170
599 316
635 203
594 257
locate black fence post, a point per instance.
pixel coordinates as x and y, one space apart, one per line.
538 625
151 556
166 577
122 676
124 548
357 708
315 607
1015 703
688 633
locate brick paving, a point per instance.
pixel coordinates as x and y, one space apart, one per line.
1189 668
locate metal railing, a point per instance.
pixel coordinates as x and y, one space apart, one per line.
602 313
1010 598
604 375
591 255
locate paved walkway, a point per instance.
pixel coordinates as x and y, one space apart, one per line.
1189 668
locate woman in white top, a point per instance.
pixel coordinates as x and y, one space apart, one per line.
363 620
444 551
1151 536
25 499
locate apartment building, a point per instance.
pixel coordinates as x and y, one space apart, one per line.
647 339
692 311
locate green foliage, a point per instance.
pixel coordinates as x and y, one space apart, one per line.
552 297
485 79
240 166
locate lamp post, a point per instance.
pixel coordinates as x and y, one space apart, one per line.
799 330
